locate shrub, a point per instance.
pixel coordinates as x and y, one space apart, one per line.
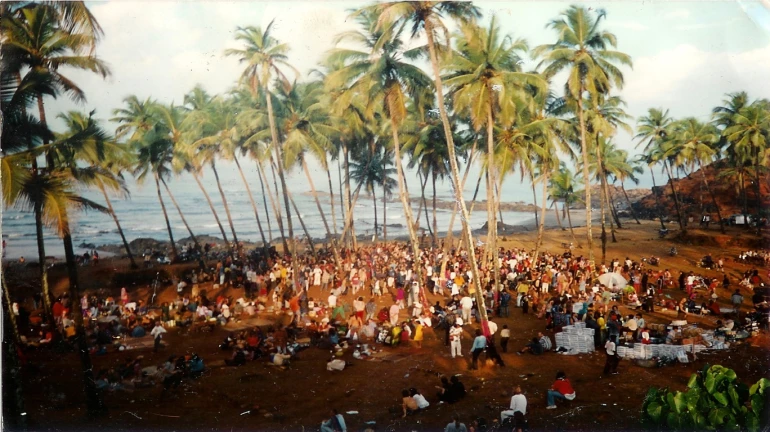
714 400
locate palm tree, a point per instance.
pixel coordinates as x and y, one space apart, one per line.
266 58
583 49
387 81
486 82
635 166
154 159
108 161
653 131
749 136
562 188
696 142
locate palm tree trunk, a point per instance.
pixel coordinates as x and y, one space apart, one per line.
713 201
424 204
134 266
456 175
94 403
348 197
331 200
236 244
12 373
682 225
262 181
342 197
756 186
302 224
348 227
435 223
405 198
253 204
498 186
604 229
476 192
181 215
543 208
609 208
277 207
569 220
556 212
448 243
47 305
196 176
384 215
586 177
534 197
630 207
657 199
374 202
279 162
165 216
320 209
614 209
9 312
493 197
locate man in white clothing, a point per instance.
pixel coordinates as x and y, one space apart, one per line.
156 333
455 333
466 303
332 300
518 410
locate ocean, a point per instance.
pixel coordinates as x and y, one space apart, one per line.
140 214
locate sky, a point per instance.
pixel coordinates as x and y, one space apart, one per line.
686 55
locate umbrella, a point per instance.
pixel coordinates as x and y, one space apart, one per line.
610 279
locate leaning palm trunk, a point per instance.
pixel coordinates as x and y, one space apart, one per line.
9 311
435 223
181 215
94 403
279 162
196 176
657 200
117 223
556 212
384 215
569 220
347 195
586 177
495 202
331 200
47 307
348 227
541 226
302 224
165 216
680 217
253 204
320 209
713 201
614 209
449 234
423 205
456 175
405 199
604 230
534 197
609 208
376 227
264 203
630 206
274 204
236 244
277 208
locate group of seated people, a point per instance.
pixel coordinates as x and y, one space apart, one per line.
451 390
131 375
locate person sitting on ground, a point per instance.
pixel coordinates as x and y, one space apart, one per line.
455 425
196 366
533 347
335 424
561 389
518 410
408 404
422 403
457 387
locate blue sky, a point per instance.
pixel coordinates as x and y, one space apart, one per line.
687 55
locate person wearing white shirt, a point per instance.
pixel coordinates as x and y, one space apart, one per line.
332 300
466 303
455 333
517 410
156 333
492 327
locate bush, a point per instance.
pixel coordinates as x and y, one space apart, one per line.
714 400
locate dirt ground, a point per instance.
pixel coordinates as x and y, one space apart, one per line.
259 396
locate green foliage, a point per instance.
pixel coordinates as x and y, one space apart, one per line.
714 400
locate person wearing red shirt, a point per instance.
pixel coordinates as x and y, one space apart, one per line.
561 389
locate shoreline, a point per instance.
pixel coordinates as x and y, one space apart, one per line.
112 250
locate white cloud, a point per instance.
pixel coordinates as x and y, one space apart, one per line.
678 14
630 25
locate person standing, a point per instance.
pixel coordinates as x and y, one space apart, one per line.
505 335
157 333
517 410
455 333
737 300
479 344
466 303
611 364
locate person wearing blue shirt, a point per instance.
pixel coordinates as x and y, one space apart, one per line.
335 424
479 344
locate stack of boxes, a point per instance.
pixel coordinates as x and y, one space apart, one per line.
576 338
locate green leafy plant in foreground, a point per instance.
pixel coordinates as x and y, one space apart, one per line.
714 400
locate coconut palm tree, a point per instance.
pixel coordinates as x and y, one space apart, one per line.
562 185
265 59
696 142
635 166
387 81
583 49
749 136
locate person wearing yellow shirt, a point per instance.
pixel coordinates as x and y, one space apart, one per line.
602 325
